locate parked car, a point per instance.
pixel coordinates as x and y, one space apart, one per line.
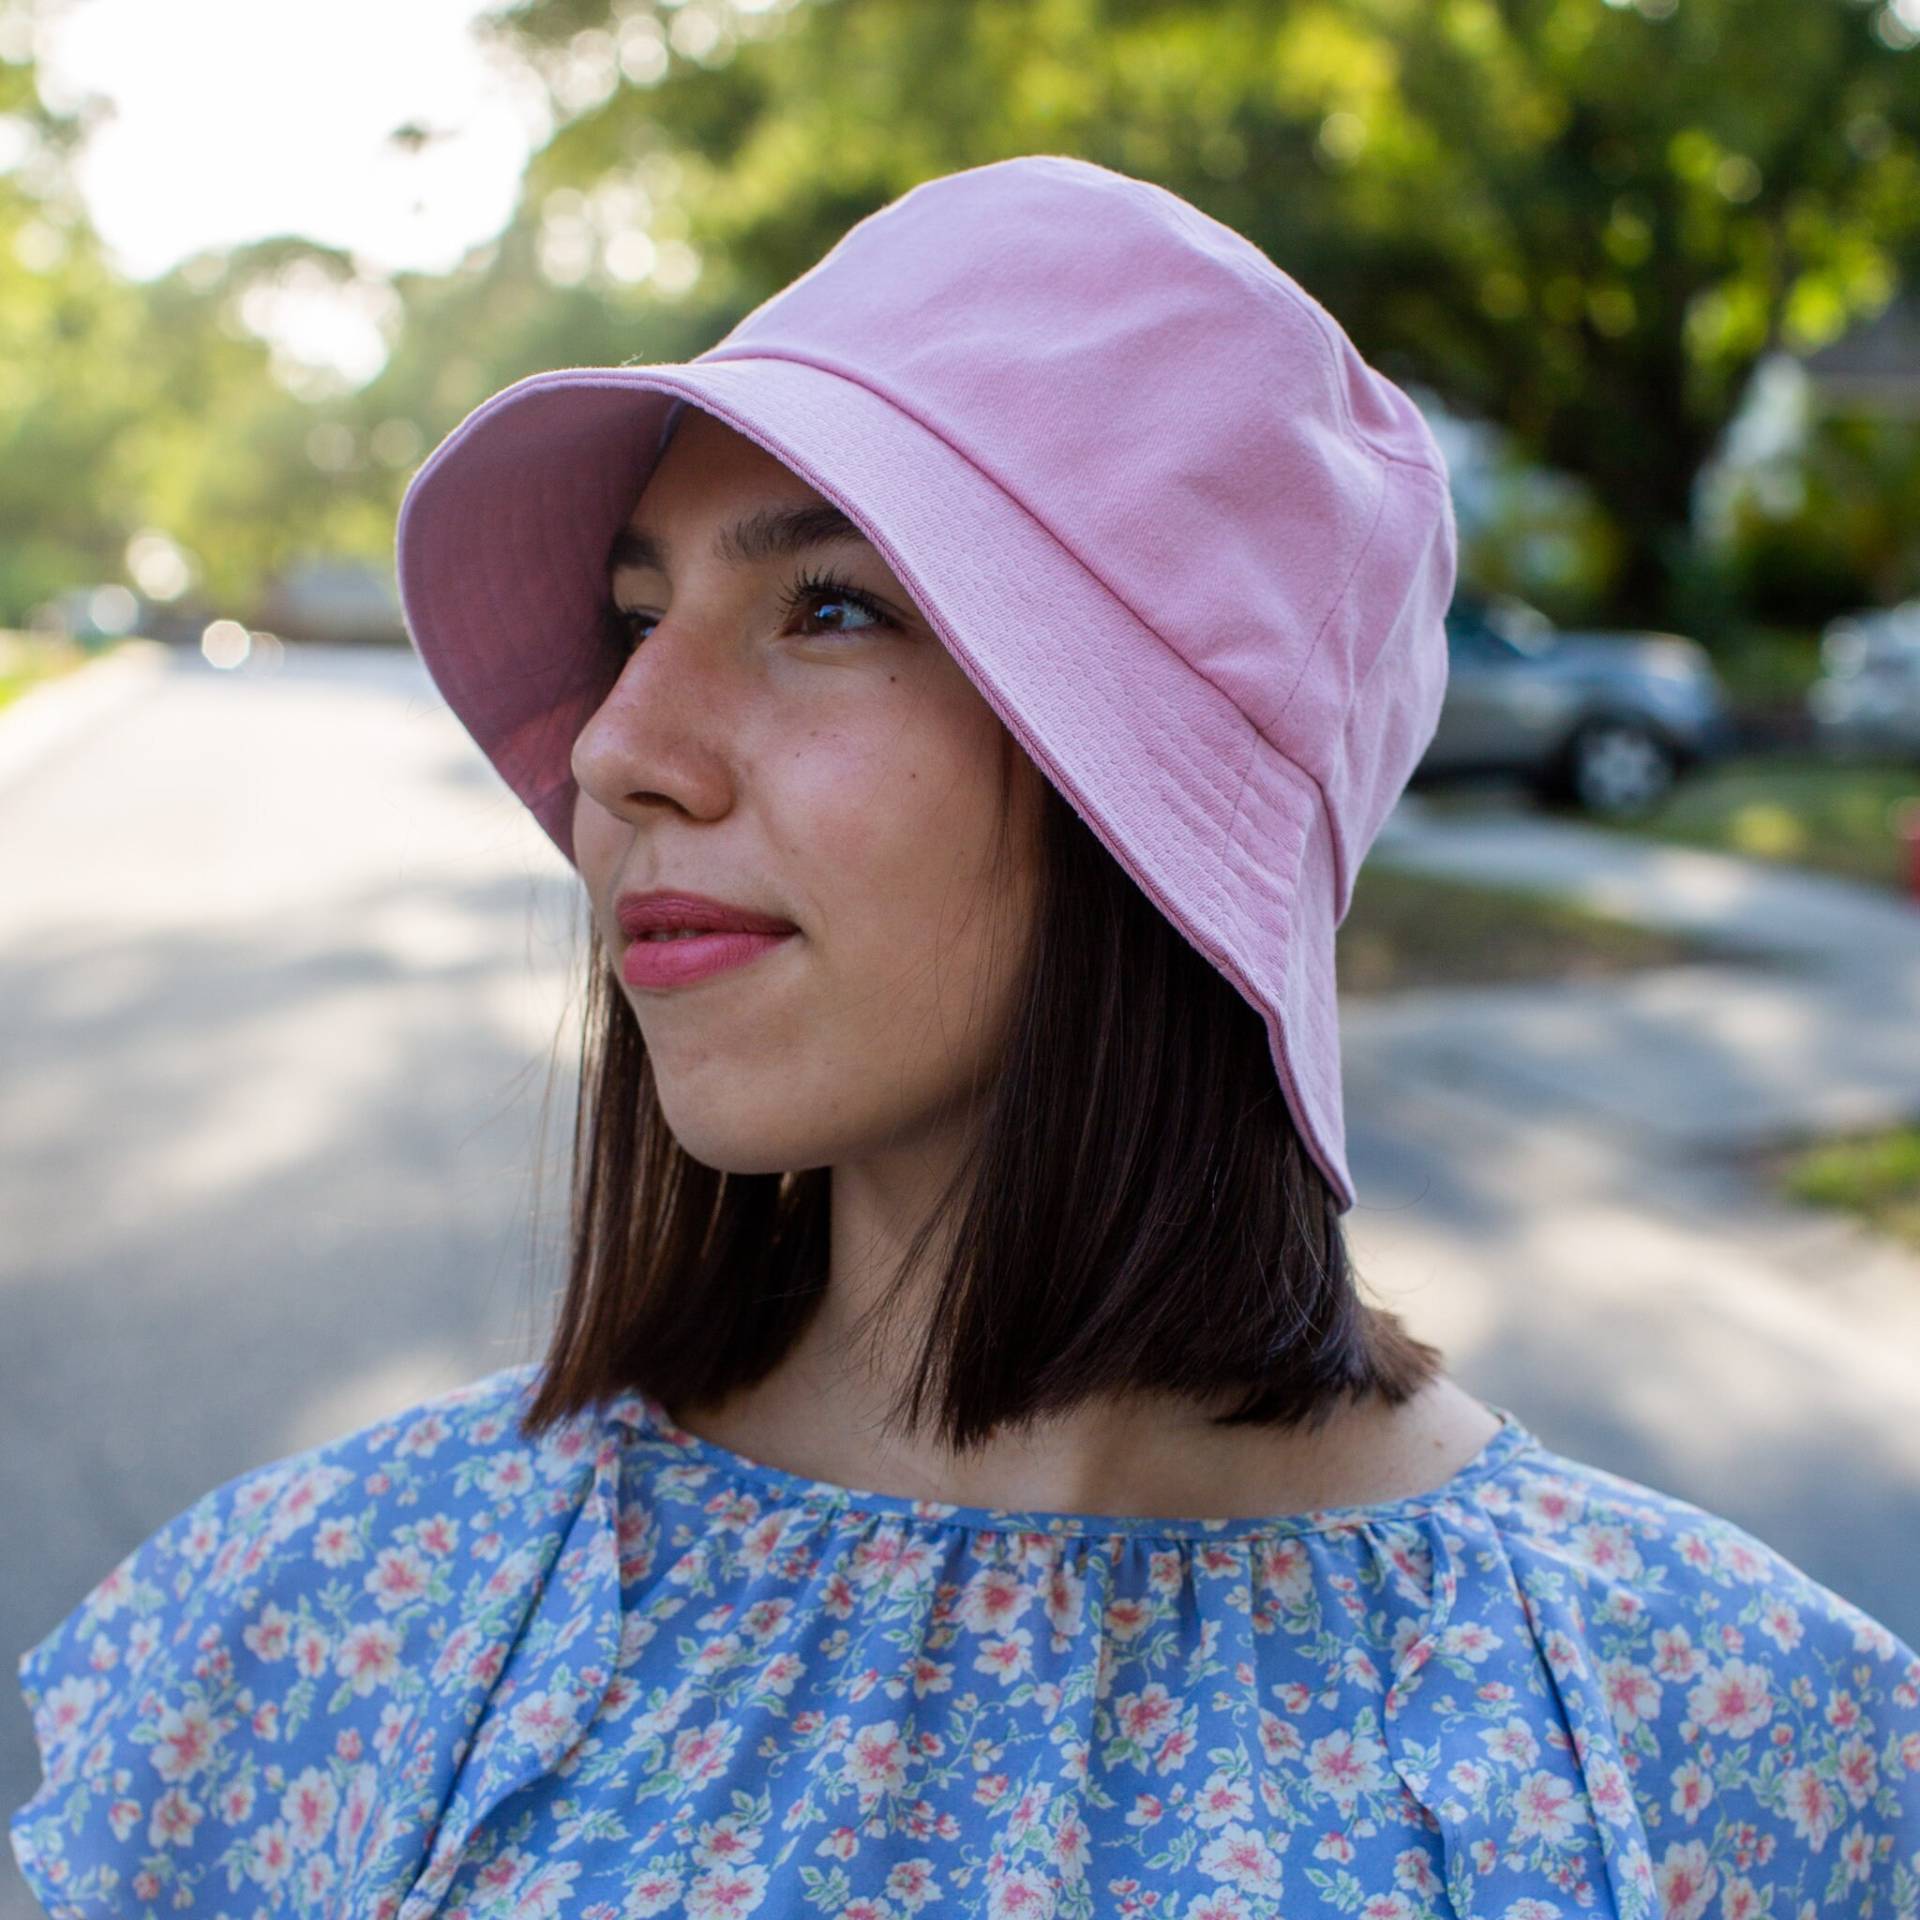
1605 722
1867 699
91 617
335 601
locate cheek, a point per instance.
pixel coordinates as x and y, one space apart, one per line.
598 843
896 825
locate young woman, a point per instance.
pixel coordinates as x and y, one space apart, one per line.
964 1477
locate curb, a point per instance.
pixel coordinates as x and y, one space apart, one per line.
44 716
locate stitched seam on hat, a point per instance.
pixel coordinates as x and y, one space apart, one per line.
744 351
1380 653
1240 793
1326 806
1320 632
1322 324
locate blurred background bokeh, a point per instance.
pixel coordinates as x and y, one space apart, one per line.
1632 979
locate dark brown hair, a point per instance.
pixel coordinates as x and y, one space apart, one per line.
1136 1211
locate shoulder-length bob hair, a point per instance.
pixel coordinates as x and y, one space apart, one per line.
1135 1213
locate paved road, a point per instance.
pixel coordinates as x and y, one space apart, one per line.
283 967
1559 1173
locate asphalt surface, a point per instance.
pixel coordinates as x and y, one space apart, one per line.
285 969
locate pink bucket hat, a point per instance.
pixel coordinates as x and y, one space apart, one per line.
1190 547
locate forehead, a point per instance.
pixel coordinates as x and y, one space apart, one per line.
753 538
709 473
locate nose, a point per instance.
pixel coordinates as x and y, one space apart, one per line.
656 737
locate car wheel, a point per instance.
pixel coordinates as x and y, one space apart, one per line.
1617 768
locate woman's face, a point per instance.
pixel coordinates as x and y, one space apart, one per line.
787 749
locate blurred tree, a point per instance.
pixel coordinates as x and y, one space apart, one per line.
1840 518
128 406
62 314
1579 220
1584 221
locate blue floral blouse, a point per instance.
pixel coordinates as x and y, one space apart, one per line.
433 1669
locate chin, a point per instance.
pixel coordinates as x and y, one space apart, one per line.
740 1145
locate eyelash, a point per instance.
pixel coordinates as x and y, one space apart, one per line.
808 587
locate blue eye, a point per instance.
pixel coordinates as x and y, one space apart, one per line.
826 588
831 588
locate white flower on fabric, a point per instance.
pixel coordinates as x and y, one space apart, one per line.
1734 1700
1607 1549
335 1542
369 1655
307 1492
1221 1798
63 1712
1810 1804
1549 1503
1025 1893
270 1858
1385 1906
185 1742
424 1437
1611 1793
877 1759
175 1815
270 1636
1513 1743
992 1600
1145 1716
1470 1640
506 1474
1344 1765
1545 1807
1632 1693
1241 1857
307 1808
1692 1790
1686 1879
653 1891
397 1576
1009 1658
112 1593
725 1893
539 1896
546 1722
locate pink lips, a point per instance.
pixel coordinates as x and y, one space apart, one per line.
678 963
724 935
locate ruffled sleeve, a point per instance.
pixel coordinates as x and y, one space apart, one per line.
1619 1704
301 1693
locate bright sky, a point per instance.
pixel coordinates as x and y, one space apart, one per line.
241 118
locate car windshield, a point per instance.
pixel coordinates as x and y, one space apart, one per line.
1514 620
1492 621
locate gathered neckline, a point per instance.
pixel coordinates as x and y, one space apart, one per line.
1500 1449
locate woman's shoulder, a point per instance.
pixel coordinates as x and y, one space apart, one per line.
1617 1671
1631 1541
275 1690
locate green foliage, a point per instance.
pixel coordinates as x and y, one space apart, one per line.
1578 220
1844 514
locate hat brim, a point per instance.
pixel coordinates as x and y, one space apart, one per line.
503 541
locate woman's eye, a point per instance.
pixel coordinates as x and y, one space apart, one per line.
621 625
814 596
838 598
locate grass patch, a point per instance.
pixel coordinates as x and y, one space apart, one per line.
28 659
1409 929
1873 1176
1839 817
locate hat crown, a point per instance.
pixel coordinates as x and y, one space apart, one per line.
1189 423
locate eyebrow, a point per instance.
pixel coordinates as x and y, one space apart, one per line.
774 533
